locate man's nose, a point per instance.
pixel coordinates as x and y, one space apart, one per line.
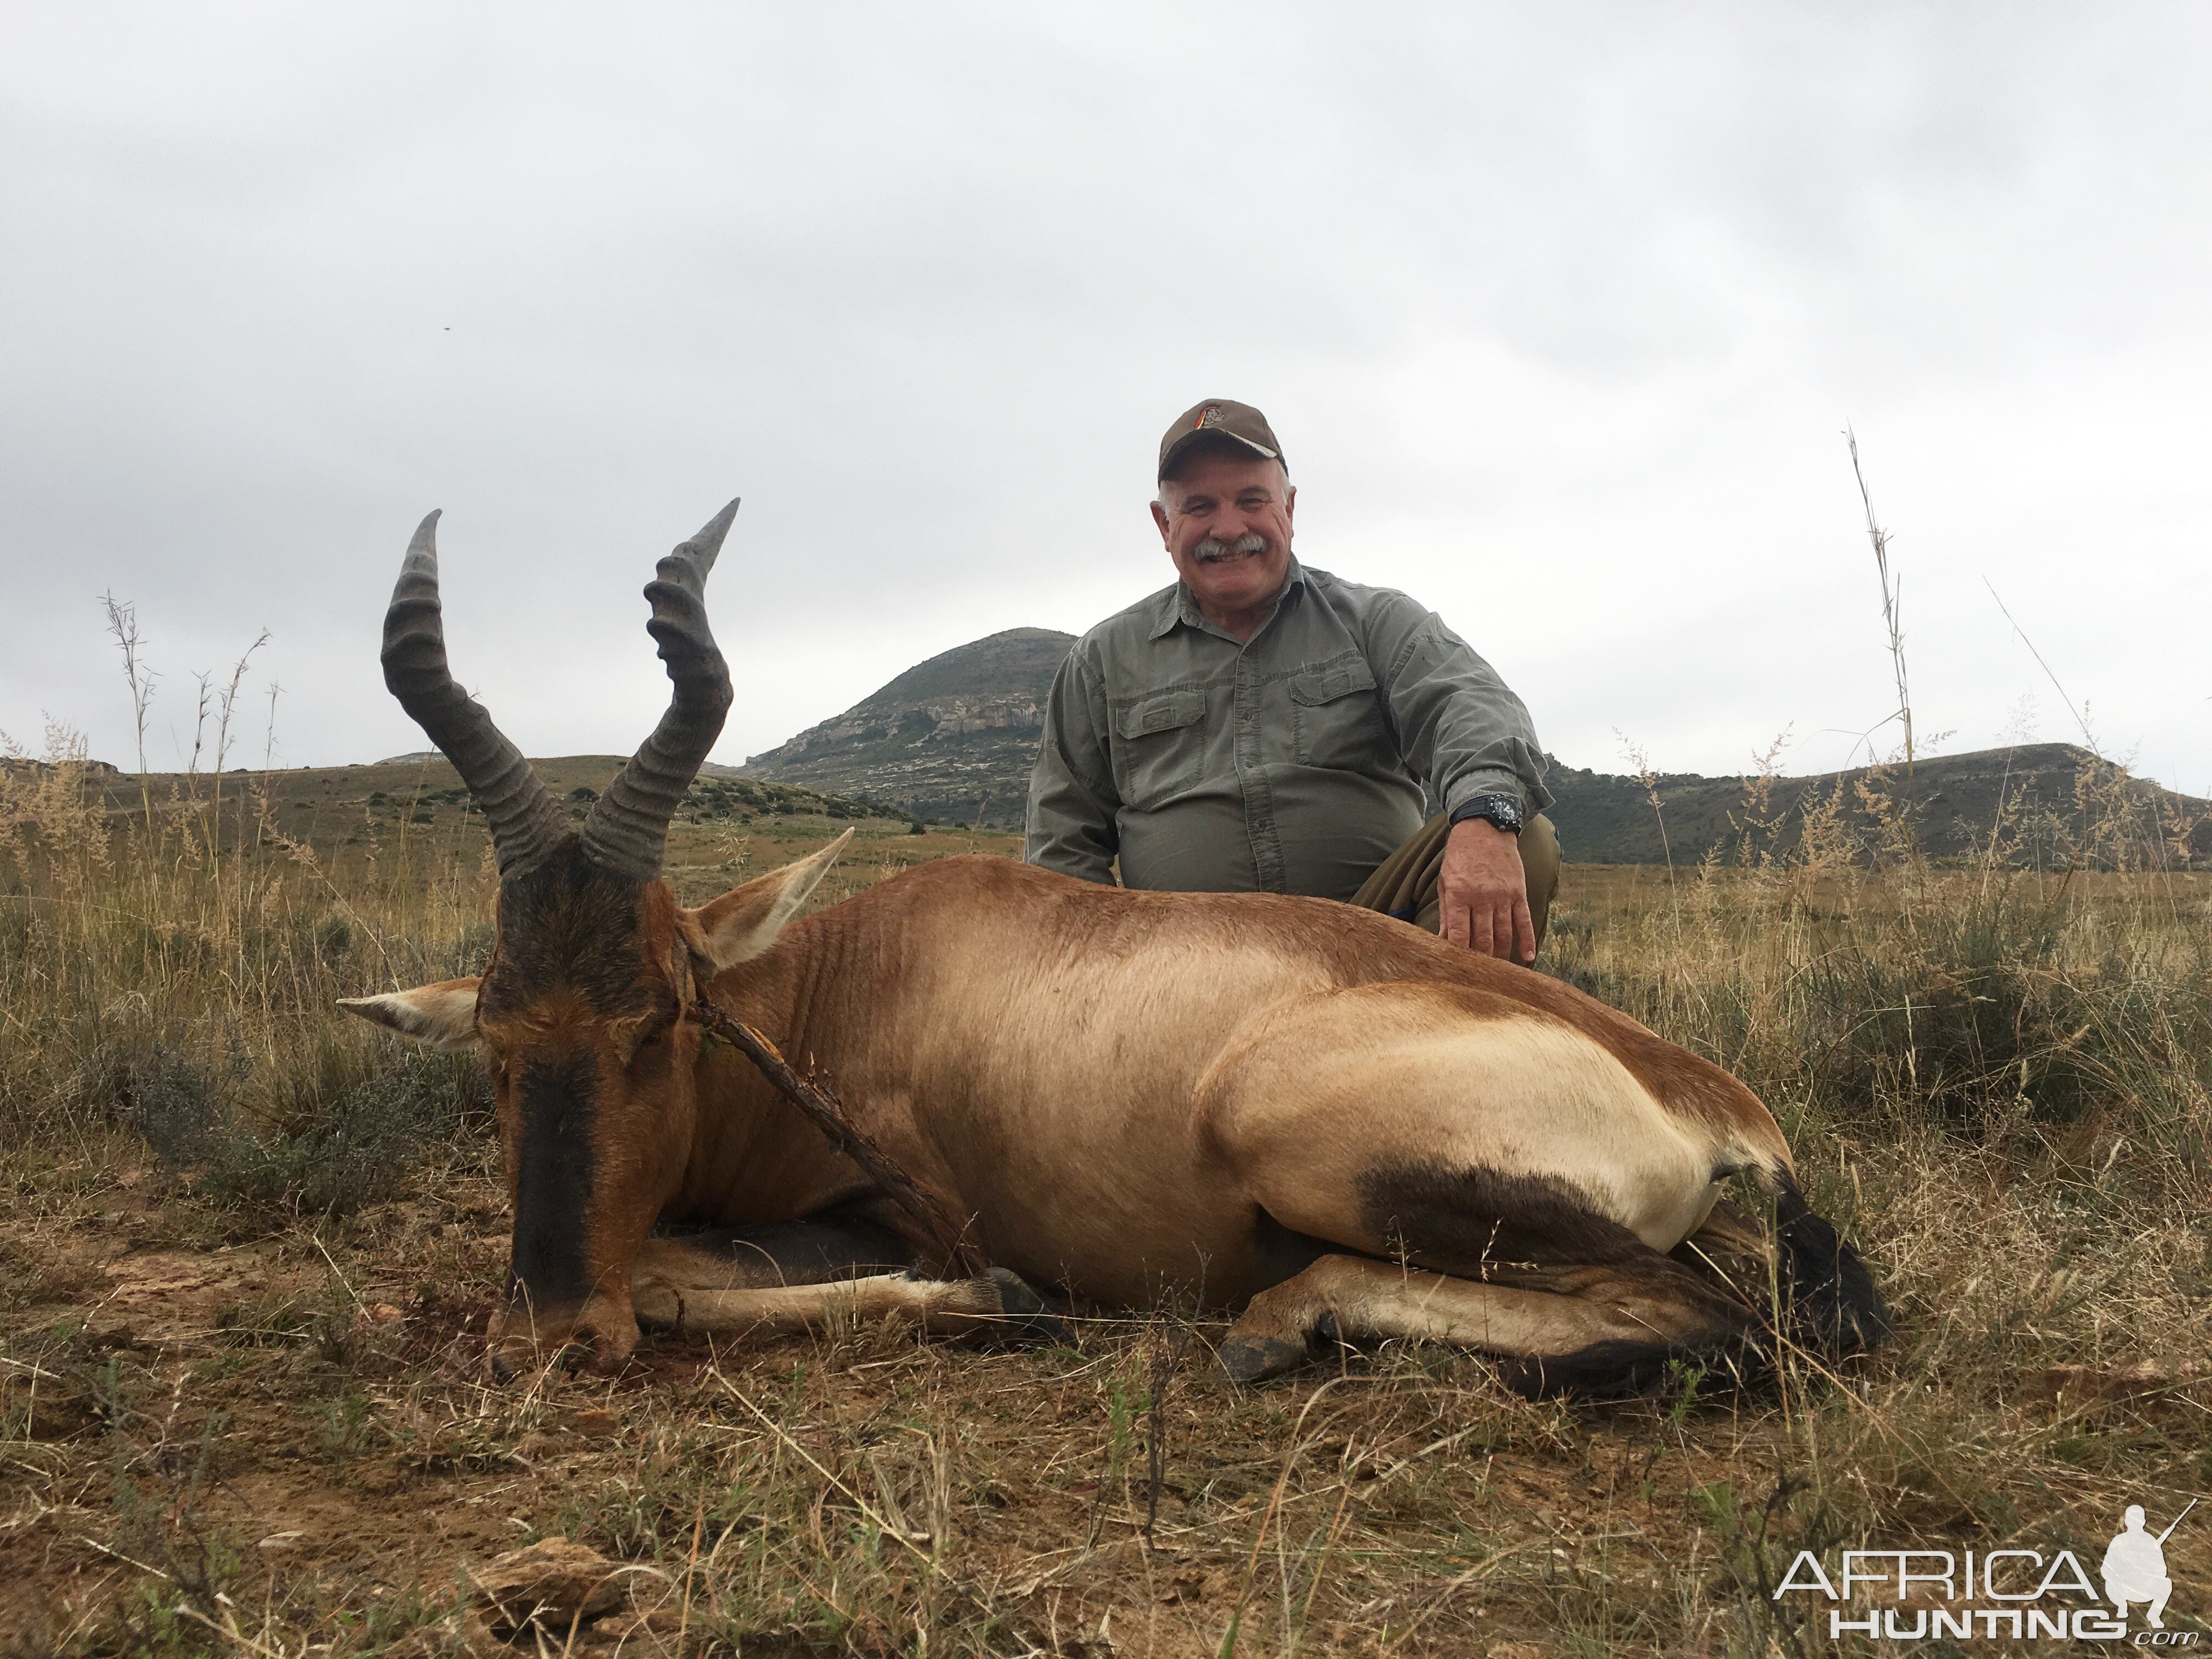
1227 527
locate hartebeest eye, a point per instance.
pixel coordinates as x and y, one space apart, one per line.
638 1035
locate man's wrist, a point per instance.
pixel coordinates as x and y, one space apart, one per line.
1501 812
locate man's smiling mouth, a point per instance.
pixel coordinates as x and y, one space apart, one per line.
1244 546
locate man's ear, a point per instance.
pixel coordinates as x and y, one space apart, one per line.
745 922
1160 520
443 1015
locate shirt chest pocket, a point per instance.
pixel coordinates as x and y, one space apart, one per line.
1159 747
1336 720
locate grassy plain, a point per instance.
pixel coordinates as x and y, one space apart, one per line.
248 1247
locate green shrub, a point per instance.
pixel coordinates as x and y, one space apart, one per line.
344 1132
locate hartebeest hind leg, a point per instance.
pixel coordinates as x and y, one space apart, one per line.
1613 1328
1492 1177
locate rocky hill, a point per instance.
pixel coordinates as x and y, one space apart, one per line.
952 740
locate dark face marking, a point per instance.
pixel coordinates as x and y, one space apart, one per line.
569 962
1458 1220
558 1099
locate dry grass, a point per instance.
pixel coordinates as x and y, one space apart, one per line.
248 1251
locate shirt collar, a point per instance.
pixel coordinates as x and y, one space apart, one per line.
1178 604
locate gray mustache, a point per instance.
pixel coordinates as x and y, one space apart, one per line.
1209 550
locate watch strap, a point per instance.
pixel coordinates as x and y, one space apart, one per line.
1500 812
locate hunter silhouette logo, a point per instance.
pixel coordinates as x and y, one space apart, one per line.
2001 1595
2135 1567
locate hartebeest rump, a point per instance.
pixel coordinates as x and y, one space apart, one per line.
1319 1117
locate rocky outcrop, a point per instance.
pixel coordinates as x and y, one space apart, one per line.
950 739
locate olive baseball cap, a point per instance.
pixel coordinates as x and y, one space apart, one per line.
1216 418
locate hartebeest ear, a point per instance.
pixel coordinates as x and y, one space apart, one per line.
442 1015
745 922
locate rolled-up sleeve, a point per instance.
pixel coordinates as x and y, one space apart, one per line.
1073 800
1460 728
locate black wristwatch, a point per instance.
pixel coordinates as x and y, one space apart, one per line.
1500 811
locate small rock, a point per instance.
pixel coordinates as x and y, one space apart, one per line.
598 1423
383 1313
277 1542
552 1583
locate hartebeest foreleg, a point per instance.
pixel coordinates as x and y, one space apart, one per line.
676 1284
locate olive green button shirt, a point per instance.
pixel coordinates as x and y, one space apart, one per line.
1291 763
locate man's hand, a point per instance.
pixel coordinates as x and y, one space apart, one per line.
1482 892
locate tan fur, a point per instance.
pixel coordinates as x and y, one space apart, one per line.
1447 1075
1092 1073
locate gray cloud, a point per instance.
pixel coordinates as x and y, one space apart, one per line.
1559 311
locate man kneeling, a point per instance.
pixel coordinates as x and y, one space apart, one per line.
1263 727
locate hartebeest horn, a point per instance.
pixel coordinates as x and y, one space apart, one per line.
524 818
628 830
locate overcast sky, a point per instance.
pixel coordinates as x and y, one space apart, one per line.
1559 311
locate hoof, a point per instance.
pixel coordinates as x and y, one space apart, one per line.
1025 1320
1248 1359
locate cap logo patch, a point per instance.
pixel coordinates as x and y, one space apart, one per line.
1210 415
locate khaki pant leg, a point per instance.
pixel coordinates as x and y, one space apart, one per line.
1404 884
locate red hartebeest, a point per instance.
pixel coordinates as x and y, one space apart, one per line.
1319 1117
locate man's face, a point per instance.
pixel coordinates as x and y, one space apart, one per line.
1226 521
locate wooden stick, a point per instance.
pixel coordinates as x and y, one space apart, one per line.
827 1113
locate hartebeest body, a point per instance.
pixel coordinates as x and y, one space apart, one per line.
1318 1116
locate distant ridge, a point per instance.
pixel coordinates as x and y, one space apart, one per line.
2058 801
953 739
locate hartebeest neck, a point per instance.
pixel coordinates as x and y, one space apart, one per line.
746 1137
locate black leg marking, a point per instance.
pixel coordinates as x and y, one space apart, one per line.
1460 1221
1026 1319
